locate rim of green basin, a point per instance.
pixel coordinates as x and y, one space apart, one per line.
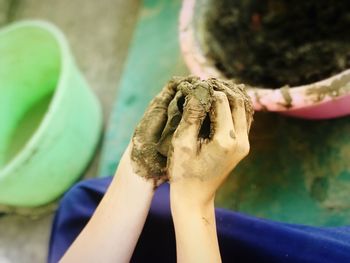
65 62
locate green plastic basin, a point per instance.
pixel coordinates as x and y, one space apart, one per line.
50 121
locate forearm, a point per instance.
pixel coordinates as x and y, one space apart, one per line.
195 229
112 233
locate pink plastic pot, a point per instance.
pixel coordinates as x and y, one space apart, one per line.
328 98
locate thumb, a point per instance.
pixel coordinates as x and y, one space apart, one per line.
193 116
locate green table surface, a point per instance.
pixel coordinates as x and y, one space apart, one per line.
298 171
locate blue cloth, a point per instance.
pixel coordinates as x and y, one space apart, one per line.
242 238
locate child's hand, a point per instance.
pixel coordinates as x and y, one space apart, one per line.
145 159
197 166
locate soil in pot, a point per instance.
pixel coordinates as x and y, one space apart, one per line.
278 42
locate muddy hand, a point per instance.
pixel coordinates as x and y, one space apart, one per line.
198 166
146 160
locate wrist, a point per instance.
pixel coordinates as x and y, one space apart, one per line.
190 204
128 181
126 176
191 194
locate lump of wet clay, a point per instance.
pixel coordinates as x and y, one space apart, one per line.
150 154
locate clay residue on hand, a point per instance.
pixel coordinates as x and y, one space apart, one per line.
198 89
152 137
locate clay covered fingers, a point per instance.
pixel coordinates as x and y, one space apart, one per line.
193 113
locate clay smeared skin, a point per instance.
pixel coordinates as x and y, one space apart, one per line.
153 136
174 118
200 90
146 160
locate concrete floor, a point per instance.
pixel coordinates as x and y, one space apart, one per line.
99 33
